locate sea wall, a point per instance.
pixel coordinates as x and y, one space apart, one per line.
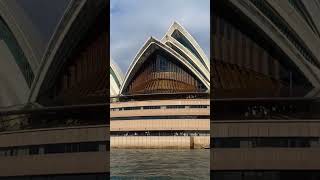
201 142
160 142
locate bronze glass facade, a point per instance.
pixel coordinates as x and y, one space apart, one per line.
161 73
246 64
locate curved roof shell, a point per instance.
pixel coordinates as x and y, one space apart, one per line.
26 36
188 53
116 79
294 27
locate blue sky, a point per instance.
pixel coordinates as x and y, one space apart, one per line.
134 21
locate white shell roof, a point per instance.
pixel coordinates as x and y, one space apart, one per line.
116 78
200 67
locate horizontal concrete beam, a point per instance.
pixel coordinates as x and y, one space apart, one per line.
160 125
67 163
160 112
160 142
265 159
55 135
266 128
161 103
86 107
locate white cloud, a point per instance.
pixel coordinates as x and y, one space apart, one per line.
134 21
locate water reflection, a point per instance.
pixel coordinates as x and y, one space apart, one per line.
159 164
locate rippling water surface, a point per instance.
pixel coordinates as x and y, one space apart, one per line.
159 164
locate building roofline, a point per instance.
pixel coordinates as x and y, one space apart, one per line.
145 50
176 26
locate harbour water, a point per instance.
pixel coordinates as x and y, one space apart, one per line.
160 164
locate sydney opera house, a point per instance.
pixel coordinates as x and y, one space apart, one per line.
163 100
265 64
52 117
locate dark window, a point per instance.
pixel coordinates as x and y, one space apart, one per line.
53 148
151 107
175 106
163 64
132 108
68 148
261 142
88 147
75 147
199 106
33 150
